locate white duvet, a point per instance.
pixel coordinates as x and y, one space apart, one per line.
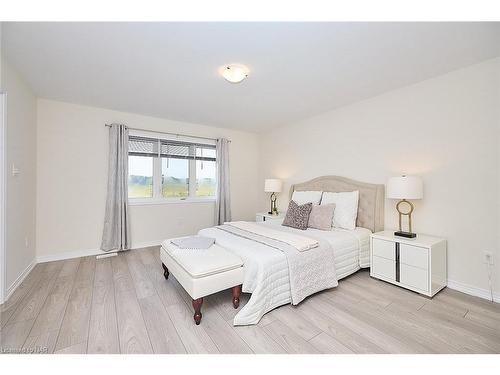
266 268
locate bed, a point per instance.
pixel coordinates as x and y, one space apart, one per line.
267 275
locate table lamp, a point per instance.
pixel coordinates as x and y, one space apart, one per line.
273 186
404 188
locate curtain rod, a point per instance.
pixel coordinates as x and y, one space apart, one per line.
176 134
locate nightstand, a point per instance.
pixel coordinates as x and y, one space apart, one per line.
417 264
261 216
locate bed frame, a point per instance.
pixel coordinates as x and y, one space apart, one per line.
371 197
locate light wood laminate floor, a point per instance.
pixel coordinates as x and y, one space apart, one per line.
124 305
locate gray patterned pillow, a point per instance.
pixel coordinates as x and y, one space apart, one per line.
321 216
297 216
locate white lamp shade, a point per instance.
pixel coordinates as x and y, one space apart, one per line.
405 187
273 185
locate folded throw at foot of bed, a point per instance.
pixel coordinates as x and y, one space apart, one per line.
301 243
193 242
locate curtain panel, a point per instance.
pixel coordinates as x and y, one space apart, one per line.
223 195
116 233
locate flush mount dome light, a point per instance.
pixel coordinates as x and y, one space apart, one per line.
234 73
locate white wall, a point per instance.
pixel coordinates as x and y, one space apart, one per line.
20 189
72 158
445 130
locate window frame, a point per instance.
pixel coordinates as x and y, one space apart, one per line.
157 172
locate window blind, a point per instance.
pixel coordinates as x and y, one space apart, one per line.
184 150
143 146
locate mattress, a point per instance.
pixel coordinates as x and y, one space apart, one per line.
266 269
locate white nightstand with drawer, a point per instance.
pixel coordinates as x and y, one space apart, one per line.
417 264
261 216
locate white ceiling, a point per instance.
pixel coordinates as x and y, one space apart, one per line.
298 70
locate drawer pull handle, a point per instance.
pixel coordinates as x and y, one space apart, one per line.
398 268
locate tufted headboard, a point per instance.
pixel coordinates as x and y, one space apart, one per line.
371 197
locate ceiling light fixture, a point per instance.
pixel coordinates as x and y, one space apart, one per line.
234 73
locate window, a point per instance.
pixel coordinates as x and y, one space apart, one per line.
205 172
164 169
140 177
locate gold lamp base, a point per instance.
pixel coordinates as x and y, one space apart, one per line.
407 212
274 209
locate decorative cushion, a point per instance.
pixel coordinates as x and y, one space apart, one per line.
297 216
346 208
321 217
303 197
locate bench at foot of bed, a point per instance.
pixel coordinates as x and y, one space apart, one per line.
203 272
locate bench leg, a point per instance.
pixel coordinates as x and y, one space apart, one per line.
236 296
165 271
197 310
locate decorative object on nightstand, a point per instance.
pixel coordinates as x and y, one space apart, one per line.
415 264
264 216
273 186
404 188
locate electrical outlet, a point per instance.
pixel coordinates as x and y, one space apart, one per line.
488 257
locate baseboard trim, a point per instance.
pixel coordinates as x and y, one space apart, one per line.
473 291
90 252
19 280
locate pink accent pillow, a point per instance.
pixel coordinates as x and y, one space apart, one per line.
321 217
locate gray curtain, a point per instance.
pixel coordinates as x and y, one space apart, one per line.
116 233
223 197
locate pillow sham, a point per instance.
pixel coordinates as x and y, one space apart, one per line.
297 216
321 217
303 197
346 208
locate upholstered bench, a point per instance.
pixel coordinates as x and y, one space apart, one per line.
203 272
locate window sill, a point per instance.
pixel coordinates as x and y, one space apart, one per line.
156 201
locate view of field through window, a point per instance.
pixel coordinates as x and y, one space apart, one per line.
174 176
140 177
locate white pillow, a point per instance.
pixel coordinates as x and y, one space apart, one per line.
303 197
346 208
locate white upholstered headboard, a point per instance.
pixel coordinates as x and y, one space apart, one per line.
371 197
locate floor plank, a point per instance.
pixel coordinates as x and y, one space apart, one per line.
223 303
258 340
490 320
124 304
80 348
455 298
44 343
289 339
372 326
301 326
222 332
328 345
195 338
103 326
52 312
346 336
13 335
8 308
143 286
30 305
162 333
133 335
74 328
